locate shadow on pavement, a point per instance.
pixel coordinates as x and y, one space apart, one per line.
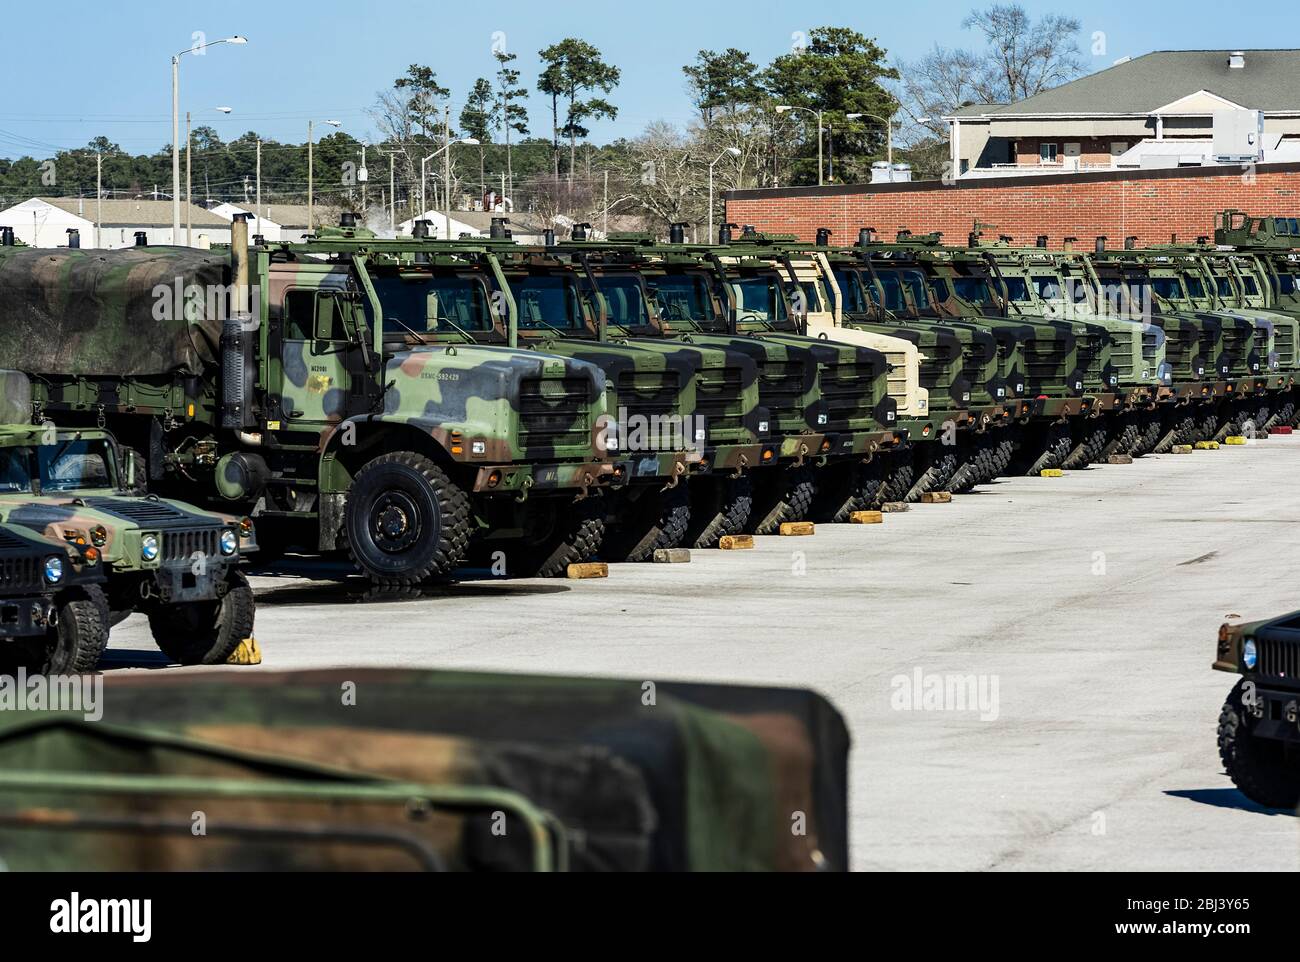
1227 798
358 591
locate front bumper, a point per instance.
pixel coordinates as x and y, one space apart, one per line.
25 617
519 478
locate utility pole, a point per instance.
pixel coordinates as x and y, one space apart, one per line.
392 191
605 204
446 165
311 128
99 194
189 197
257 215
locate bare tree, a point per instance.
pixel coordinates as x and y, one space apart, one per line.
1021 58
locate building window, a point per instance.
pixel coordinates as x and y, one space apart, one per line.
1047 153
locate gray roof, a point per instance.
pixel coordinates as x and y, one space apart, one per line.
135 213
1270 81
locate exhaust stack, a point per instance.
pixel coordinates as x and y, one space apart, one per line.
7 237
238 370
1041 241
579 232
499 230
141 239
74 238
823 237
1099 245
677 233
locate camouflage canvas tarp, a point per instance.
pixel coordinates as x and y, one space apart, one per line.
669 778
132 312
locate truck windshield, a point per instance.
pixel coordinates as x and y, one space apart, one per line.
855 298
625 300
547 301
893 289
915 282
63 466
758 298
1194 286
1224 286
1017 289
683 297
1167 287
433 305
972 290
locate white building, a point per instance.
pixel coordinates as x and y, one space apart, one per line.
277 222
45 222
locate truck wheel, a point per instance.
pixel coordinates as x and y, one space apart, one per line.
724 507
205 632
405 520
572 534
789 498
640 526
1259 767
74 645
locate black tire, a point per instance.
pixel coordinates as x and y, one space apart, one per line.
658 519
405 520
794 494
900 476
724 509
1056 447
935 475
76 642
1259 767
205 632
573 536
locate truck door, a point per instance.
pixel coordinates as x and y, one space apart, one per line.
320 377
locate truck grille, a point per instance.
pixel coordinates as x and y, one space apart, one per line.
184 544
897 378
649 393
847 391
940 367
1181 352
1122 353
782 390
1284 345
21 572
1262 339
554 413
1044 363
1092 356
1279 658
1208 342
975 365
1236 345
720 400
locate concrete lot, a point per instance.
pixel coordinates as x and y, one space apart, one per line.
1091 601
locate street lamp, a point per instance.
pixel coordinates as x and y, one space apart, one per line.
176 125
818 114
729 151
889 137
445 148
311 184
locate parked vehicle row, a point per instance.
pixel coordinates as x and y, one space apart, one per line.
423 404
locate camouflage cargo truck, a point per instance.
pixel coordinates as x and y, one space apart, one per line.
1060 286
432 771
1259 727
53 615
1216 357
545 303
260 380
827 406
959 443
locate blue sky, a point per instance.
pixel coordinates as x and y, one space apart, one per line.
104 68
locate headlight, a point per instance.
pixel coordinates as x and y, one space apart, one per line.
1249 654
229 542
149 547
98 535
53 569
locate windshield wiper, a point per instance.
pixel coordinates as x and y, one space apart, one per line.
408 330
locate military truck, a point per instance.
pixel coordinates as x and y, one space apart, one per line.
957 444
53 614
827 406
1259 727
1215 357
1130 367
261 380
175 564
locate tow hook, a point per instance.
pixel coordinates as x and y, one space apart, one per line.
523 490
146 590
586 483
678 470
740 468
803 450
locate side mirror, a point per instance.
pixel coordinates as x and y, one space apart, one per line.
132 468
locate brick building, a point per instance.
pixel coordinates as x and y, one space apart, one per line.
1149 204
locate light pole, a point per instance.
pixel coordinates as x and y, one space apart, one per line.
311 183
889 137
176 125
727 152
444 149
818 114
